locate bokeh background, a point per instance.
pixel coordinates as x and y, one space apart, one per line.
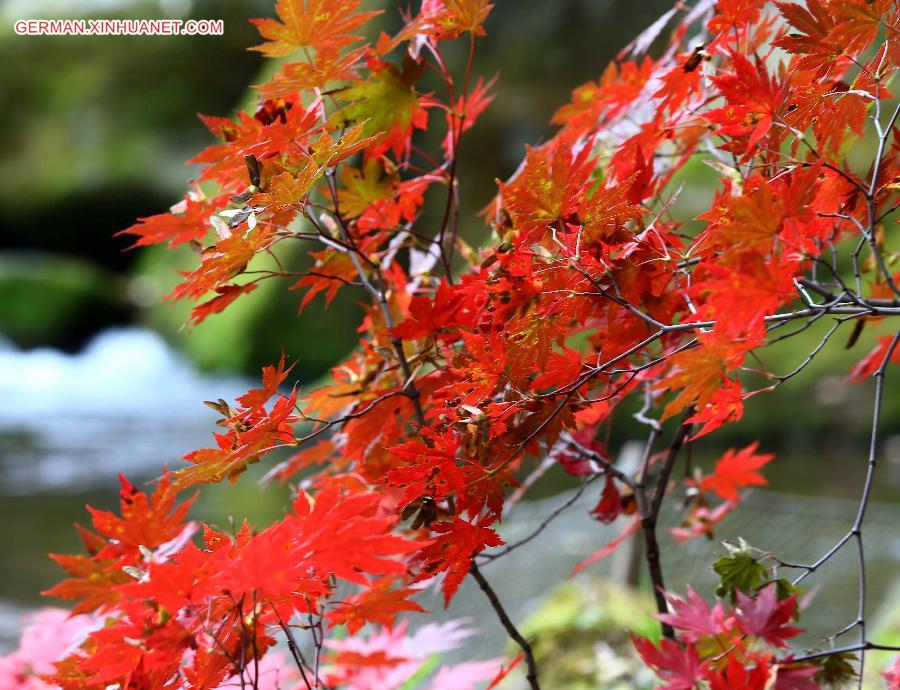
97 376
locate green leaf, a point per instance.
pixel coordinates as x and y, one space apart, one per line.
738 570
362 186
837 669
422 673
385 103
784 589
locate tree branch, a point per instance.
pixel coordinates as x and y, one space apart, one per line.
532 673
650 517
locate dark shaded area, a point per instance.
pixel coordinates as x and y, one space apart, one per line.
58 300
91 143
95 119
79 223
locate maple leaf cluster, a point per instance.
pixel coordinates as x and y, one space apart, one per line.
741 642
749 632
168 599
592 296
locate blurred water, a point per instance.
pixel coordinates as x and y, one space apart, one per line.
126 403
68 424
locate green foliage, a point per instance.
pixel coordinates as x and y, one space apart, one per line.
738 570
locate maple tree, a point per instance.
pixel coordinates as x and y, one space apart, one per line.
478 364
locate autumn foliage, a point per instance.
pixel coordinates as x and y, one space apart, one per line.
591 297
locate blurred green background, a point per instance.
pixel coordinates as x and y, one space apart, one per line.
97 375
97 131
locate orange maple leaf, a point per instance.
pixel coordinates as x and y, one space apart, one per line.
465 15
700 372
735 470
323 25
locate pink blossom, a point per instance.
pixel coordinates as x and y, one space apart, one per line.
404 655
49 635
892 675
465 676
276 672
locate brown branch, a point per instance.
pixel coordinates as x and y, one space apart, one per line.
871 463
378 294
532 673
650 517
849 649
607 466
293 648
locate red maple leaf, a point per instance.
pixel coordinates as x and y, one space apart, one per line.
693 617
610 505
700 372
765 617
272 378
869 364
452 552
428 317
679 666
344 535
187 221
737 676
378 604
323 25
735 470
225 295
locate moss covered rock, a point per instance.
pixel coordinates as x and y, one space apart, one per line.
580 636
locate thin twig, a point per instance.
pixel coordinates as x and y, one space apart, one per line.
491 557
512 631
848 649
